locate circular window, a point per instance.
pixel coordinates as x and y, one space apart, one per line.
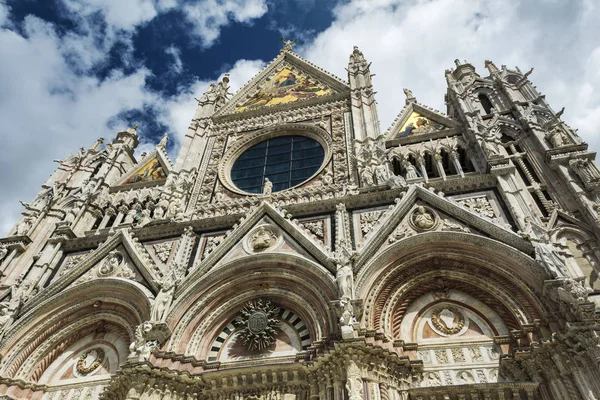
286 161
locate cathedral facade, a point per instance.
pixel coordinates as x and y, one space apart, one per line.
296 251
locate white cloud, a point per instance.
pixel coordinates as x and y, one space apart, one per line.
412 43
208 16
177 65
48 111
120 14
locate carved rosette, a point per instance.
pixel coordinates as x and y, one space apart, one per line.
258 324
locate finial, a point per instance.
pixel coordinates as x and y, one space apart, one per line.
491 66
288 44
457 62
163 142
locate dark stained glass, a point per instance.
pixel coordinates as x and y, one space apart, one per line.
286 161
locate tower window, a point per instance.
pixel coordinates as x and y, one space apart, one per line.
286 161
485 103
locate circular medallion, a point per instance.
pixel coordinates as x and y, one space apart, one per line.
258 322
423 219
447 320
264 237
89 361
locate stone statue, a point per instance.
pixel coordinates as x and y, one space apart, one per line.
382 174
327 178
111 263
367 177
345 280
422 218
347 318
163 142
161 208
18 295
354 382
25 225
175 209
6 318
72 214
573 292
586 170
142 347
130 216
411 170
547 257
3 252
557 138
267 187
288 44
408 93
144 219
163 301
396 182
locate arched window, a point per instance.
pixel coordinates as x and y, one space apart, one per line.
485 103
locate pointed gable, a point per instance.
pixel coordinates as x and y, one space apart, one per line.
152 169
416 120
120 256
287 80
287 86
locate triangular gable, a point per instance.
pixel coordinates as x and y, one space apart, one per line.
288 80
459 219
151 170
416 120
121 240
265 215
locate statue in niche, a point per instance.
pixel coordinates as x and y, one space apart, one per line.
382 174
411 170
586 170
557 138
345 280
367 176
163 300
144 218
161 207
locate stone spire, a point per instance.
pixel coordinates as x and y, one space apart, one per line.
364 110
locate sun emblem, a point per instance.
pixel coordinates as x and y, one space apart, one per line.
257 324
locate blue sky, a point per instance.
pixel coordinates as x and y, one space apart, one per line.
74 70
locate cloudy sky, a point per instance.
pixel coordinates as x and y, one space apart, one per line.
74 70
